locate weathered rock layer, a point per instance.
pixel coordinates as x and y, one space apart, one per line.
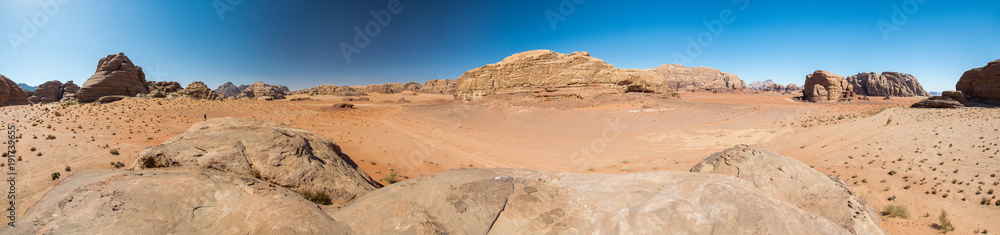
116 75
982 83
886 84
11 93
823 86
679 77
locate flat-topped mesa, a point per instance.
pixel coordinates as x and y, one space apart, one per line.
11 93
540 69
115 75
982 84
683 78
824 86
886 84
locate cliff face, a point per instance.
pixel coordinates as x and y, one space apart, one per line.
982 83
548 69
701 78
824 86
886 84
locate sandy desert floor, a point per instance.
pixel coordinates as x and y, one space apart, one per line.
938 159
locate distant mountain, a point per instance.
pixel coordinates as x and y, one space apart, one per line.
27 88
935 93
760 85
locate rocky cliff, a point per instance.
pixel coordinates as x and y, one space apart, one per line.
683 78
886 84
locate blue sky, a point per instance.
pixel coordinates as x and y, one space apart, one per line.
298 43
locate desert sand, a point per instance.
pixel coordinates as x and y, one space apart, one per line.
934 152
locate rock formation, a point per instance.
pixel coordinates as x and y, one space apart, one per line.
886 84
791 87
11 93
162 88
542 69
229 90
293 158
982 83
759 85
198 90
439 86
823 86
26 87
795 183
262 91
939 102
164 202
52 91
679 77
116 75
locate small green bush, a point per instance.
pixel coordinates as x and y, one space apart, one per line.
317 197
55 175
944 224
391 178
114 152
896 211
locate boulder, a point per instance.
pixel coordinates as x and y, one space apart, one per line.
11 93
982 83
293 158
539 69
955 95
110 98
823 86
261 89
795 183
229 90
512 201
679 77
886 84
116 75
47 92
439 86
938 102
198 90
171 202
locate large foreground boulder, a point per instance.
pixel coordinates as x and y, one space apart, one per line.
886 84
982 83
11 93
541 69
171 202
795 183
293 158
824 86
938 102
116 75
679 78
508 201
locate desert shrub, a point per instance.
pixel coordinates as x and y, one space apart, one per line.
114 152
895 211
55 175
944 224
317 197
892 172
68 169
50 137
391 178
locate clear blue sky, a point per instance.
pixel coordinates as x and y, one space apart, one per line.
297 43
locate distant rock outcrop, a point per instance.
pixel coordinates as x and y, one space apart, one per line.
823 86
439 86
886 84
982 83
795 183
679 78
938 102
541 69
11 93
760 85
296 159
27 88
162 88
52 91
116 75
198 90
167 202
229 90
262 91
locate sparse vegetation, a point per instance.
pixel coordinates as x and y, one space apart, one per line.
391 178
114 152
55 175
895 211
944 224
317 197
68 169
